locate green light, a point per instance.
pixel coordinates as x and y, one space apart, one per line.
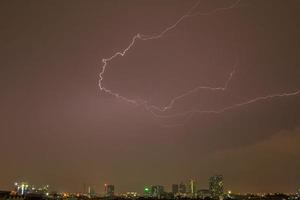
146 189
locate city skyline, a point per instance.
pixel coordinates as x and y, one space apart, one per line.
187 190
140 92
185 186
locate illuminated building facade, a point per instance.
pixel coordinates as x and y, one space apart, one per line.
109 190
157 191
203 193
216 186
191 188
147 191
22 188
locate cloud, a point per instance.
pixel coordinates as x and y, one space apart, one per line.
266 166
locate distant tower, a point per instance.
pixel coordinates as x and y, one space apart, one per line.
22 188
191 188
109 190
91 191
216 185
182 188
157 191
147 191
175 189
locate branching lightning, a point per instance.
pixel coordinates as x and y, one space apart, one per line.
219 111
158 111
106 61
172 102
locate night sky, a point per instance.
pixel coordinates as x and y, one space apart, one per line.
57 127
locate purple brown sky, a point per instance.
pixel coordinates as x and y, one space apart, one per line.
58 128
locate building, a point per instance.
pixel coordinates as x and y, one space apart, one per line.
130 195
22 188
182 188
191 188
175 189
216 185
157 191
203 193
41 190
109 190
91 192
147 191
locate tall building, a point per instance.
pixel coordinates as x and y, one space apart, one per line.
147 191
22 188
157 191
109 190
175 189
191 188
216 185
91 192
182 188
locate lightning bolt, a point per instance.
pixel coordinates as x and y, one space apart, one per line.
185 94
105 61
158 111
188 114
231 107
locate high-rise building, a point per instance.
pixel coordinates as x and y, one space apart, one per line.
216 185
147 191
22 188
91 192
191 188
109 190
182 188
175 189
157 191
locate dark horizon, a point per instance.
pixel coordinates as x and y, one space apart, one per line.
59 128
